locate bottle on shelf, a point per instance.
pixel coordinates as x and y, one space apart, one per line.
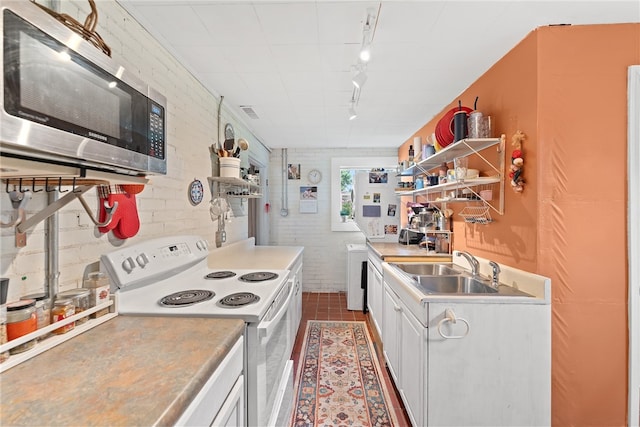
411 154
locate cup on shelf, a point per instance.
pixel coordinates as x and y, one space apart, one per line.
460 166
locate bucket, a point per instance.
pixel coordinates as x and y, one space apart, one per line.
230 167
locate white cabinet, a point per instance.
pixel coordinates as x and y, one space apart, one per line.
391 318
232 412
412 367
220 402
404 343
374 292
468 362
296 273
499 372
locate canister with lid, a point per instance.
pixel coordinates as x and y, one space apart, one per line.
98 284
80 298
21 320
63 308
43 308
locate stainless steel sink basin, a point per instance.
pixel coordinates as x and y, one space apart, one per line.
454 285
429 269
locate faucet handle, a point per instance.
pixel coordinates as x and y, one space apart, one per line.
495 279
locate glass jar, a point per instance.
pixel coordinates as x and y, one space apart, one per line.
3 331
80 298
21 320
43 308
98 284
62 309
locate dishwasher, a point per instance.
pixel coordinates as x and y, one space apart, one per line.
356 261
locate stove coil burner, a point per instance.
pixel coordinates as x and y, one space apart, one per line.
258 276
220 274
186 298
238 299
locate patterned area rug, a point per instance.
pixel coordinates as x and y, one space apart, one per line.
339 380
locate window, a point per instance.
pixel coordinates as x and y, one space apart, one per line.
343 171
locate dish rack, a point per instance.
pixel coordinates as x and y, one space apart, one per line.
51 341
476 214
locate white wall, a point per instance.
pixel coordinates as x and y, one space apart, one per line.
325 254
163 206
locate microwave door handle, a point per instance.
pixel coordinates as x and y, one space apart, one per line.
266 328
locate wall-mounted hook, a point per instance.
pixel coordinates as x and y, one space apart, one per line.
60 185
19 200
46 186
110 210
74 188
6 188
33 186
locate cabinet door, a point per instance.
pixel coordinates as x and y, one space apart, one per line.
374 296
499 371
391 331
232 412
412 365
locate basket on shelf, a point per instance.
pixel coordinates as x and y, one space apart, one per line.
476 214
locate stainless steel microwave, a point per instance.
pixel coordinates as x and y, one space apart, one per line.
66 102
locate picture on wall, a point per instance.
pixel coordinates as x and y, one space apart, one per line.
308 199
376 197
391 209
293 171
378 177
391 229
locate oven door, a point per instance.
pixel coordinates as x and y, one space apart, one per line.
269 369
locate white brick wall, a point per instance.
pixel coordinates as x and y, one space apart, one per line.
163 206
325 254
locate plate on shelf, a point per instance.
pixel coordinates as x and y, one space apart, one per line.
444 127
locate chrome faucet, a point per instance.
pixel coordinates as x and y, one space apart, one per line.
475 265
495 272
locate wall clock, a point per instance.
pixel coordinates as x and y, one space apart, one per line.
196 192
314 176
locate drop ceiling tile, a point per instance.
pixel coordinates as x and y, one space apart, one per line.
288 23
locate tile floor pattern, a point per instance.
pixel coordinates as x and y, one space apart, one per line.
333 306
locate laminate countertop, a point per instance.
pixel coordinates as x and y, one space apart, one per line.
128 371
396 252
245 254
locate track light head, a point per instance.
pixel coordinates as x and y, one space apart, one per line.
359 79
365 53
352 112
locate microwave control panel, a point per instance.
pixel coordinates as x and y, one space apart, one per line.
156 131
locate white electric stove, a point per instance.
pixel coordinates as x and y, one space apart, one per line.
170 277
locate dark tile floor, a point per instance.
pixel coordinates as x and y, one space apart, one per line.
333 306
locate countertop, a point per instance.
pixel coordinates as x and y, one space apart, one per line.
396 252
127 371
245 254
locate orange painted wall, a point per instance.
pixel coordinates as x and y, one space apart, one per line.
566 89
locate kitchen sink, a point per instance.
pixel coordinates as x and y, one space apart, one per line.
429 269
454 285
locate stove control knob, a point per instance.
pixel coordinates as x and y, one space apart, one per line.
128 265
201 244
142 260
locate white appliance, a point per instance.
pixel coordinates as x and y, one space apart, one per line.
356 256
377 208
66 102
169 277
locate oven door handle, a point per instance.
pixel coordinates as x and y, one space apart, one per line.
266 328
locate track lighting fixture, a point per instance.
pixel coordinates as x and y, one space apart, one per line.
365 53
359 79
360 76
352 111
